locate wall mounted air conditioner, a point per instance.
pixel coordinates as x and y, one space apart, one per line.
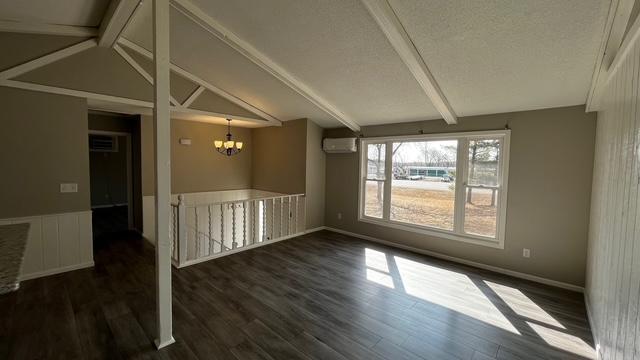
339 145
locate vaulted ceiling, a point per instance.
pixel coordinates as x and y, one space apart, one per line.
332 61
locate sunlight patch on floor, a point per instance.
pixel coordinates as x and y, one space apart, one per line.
522 305
376 260
455 291
380 278
563 341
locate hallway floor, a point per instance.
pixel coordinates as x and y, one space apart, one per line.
318 296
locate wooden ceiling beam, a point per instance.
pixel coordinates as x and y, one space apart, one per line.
396 34
118 15
199 81
47 29
198 16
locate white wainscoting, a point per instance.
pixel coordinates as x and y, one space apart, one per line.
613 268
56 243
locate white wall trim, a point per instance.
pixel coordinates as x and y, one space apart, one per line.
500 270
391 26
56 271
47 29
47 59
56 243
216 90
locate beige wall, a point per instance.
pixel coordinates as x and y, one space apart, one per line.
279 157
315 177
44 143
198 167
613 271
548 201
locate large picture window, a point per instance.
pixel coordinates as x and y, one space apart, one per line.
448 185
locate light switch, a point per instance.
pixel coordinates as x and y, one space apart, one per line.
68 188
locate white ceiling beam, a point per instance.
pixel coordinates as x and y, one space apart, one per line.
623 51
392 27
141 105
247 50
47 29
47 59
116 18
134 64
194 95
194 78
613 33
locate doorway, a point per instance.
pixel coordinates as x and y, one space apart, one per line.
111 182
115 176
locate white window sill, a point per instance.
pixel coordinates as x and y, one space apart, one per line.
467 238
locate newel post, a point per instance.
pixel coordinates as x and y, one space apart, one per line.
182 231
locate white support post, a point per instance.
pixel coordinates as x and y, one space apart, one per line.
182 231
161 116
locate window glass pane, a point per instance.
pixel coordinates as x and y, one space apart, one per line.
481 212
375 161
484 155
373 198
428 200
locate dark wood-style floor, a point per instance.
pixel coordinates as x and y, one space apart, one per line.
319 296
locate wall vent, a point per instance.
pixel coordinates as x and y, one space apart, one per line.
103 143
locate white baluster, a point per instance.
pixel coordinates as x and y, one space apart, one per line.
221 227
273 218
195 211
281 216
295 221
244 223
234 244
289 215
264 221
182 230
211 242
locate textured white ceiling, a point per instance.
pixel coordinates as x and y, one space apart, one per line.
503 55
204 55
61 12
336 48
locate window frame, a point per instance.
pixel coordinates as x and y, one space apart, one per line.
462 164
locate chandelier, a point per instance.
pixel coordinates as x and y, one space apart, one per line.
228 147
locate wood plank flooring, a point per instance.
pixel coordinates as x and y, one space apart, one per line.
318 296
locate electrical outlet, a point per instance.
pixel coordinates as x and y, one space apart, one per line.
68 188
339 216
526 253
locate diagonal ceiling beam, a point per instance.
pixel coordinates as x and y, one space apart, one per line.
138 106
208 23
134 64
194 95
401 42
178 70
47 59
118 15
613 33
47 29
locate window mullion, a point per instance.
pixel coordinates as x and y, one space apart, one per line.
462 164
388 176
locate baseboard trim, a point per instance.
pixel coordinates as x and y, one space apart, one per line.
500 270
594 330
56 271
